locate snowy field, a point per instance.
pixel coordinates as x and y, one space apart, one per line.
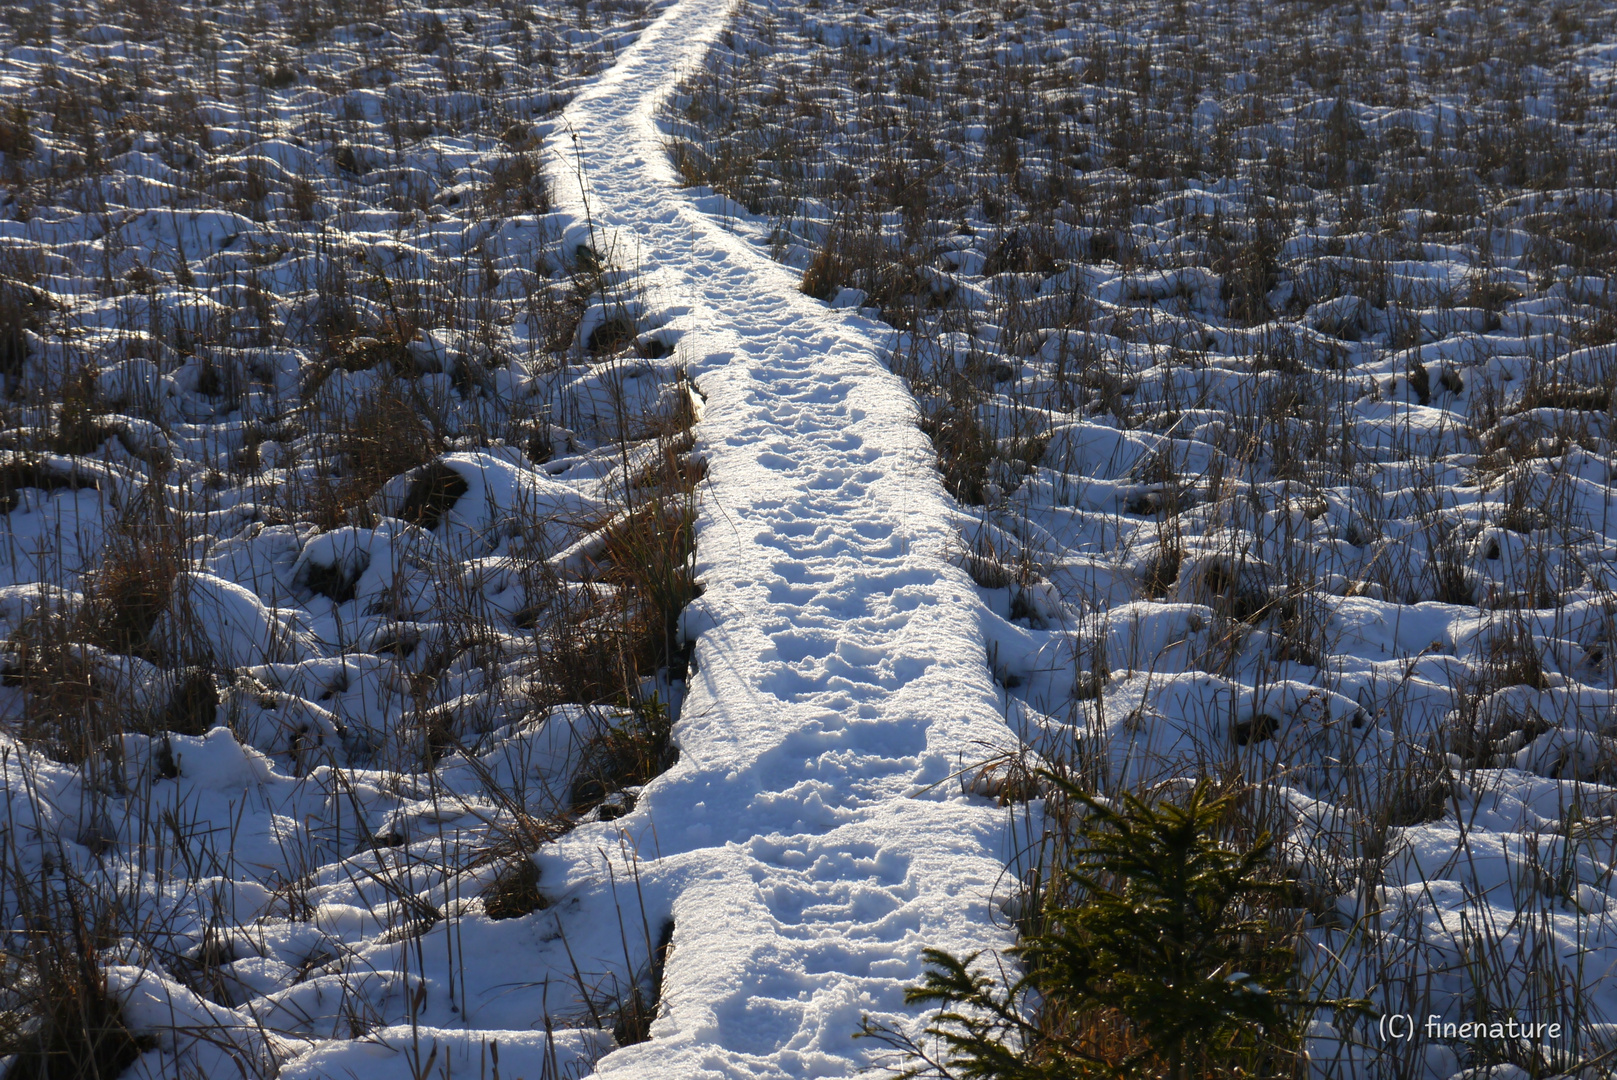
1269 351
544 541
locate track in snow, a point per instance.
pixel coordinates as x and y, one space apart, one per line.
840 671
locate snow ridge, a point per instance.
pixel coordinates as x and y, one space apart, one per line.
812 838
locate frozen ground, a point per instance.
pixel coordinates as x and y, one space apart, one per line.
349 353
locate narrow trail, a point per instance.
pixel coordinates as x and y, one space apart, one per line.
840 672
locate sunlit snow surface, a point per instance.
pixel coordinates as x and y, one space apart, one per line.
1353 542
812 838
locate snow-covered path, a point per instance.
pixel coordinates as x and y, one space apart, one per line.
840 671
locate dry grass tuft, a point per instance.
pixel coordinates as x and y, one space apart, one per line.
639 1008
366 445
60 1021
514 892
434 490
629 749
77 430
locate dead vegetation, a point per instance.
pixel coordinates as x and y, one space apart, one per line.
59 1018
1236 330
306 468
